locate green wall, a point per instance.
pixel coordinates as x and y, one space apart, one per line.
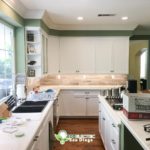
128 142
20 49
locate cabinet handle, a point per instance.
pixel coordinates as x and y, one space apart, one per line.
113 125
111 70
113 141
58 71
35 139
36 136
103 118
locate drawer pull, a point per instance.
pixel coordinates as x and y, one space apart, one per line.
113 125
103 118
113 141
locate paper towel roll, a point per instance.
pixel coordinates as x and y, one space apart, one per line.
21 91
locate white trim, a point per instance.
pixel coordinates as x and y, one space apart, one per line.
17 6
42 14
34 14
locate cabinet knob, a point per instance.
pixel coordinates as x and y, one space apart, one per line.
58 71
113 125
113 141
103 118
35 139
111 70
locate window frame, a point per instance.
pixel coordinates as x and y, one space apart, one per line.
13 58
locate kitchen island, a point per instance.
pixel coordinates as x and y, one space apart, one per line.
131 132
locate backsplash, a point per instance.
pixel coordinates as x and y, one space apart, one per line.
84 80
88 79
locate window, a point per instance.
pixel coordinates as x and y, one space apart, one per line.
6 60
143 64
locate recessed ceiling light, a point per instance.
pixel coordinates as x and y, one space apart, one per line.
124 18
80 18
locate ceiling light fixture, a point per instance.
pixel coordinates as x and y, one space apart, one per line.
80 18
124 18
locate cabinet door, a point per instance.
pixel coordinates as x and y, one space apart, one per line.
68 54
114 137
103 55
120 55
73 105
92 106
77 55
53 55
86 58
43 140
105 128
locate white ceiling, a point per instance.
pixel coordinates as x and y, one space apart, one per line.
63 13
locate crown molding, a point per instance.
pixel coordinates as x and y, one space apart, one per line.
48 21
44 16
34 14
17 6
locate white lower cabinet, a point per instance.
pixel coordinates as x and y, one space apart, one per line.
71 105
79 102
41 139
114 136
91 106
109 130
105 129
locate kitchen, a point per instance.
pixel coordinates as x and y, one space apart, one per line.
79 59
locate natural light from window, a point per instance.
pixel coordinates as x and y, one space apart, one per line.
143 64
6 60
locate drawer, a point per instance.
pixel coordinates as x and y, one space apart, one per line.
87 92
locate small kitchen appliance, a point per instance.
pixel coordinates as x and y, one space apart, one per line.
136 105
132 86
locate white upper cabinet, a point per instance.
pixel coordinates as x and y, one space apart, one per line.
103 55
77 55
53 54
120 55
88 55
111 55
68 54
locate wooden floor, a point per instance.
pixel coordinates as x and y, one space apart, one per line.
80 126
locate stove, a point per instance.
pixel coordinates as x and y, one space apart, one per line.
115 102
